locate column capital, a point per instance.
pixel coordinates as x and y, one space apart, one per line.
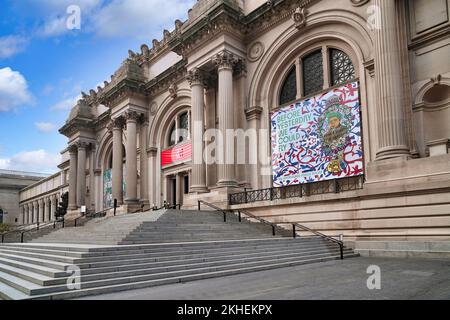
73 148
116 123
131 115
82 144
253 113
196 77
225 60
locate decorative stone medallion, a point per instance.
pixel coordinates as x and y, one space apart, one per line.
255 51
153 108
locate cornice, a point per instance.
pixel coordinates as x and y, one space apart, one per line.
75 125
163 81
122 90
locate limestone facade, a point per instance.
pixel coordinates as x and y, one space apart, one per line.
225 67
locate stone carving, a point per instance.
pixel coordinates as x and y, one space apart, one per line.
82 144
195 77
153 108
178 25
116 123
299 17
173 88
255 51
132 115
225 59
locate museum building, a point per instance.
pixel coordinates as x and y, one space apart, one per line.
353 96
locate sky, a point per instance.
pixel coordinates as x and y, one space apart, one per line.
48 56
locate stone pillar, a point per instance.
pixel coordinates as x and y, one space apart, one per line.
40 217
81 174
178 188
35 211
53 206
117 169
152 152
253 116
196 80
143 161
30 213
226 169
73 178
392 142
91 204
131 158
46 210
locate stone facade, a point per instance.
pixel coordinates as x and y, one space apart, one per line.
223 69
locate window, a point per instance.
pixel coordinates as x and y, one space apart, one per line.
172 134
312 73
184 127
289 89
320 69
179 129
342 69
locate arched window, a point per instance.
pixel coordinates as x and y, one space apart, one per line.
319 70
289 88
312 73
179 129
172 135
342 69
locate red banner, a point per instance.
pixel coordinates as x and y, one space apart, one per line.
178 153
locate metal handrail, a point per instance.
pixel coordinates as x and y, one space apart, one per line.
37 228
213 207
305 228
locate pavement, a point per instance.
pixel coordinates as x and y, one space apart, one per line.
403 279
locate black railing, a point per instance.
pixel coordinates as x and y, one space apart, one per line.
294 230
216 208
297 191
39 227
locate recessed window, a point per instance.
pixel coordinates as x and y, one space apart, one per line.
289 88
184 127
342 69
312 73
172 134
179 129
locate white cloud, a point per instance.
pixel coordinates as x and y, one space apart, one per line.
45 127
137 18
11 45
33 161
13 90
66 104
54 27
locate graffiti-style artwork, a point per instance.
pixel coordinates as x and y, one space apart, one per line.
318 139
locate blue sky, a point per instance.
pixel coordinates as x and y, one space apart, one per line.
44 65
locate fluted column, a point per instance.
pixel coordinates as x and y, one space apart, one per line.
392 141
46 210
117 169
153 176
73 178
53 206
40 210
196 80
81 174
131 158
30 213
226 169
35 212
143 161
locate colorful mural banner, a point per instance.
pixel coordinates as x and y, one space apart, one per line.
181 152
318 138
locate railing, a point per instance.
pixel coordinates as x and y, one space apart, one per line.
297 191
212 207
39 226
275 225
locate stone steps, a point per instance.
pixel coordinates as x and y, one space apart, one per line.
40 274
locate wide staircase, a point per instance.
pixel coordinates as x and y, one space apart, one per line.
150 249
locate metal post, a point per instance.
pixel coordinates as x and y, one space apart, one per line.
3 237
54 224
245 193
38 225
301 190
293 231
341 247
21 237
224 216
239 215
75 222
115 206
63 222
336 186
273 230
198 203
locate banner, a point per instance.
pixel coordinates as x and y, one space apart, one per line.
181 152
318 138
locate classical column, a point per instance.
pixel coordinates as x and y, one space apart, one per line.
81 174
226 169
143 160
30 213
73 178
131 158
117 169
178 188
40 210
253 116
392 141
152 153
196 80
45 210
53 205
